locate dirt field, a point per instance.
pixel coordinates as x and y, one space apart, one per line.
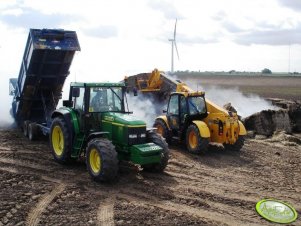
284 87
220 188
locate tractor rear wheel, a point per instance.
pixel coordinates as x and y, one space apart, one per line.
33 131
101 160
158 140
237 146
60 141
162 129
194 142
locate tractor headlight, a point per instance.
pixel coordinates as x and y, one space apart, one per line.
143 135
133 136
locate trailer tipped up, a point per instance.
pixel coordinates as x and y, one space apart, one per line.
45 65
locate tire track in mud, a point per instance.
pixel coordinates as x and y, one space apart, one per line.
213 217
33 217
105 212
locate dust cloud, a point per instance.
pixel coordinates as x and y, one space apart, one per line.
145 108
6 120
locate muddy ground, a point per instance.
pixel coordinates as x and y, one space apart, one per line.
219 188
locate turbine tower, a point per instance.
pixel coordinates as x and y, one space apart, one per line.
173 45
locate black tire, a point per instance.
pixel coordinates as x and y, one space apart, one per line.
162 129
194 142
33 131
60 141
101 160
237 146
25 127
159 140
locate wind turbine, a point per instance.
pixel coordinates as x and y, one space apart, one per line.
173 45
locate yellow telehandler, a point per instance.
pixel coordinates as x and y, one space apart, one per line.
189 118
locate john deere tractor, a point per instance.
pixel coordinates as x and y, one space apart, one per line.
94 123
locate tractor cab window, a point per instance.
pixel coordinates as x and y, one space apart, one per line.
196 105
78 98
104 99
173 107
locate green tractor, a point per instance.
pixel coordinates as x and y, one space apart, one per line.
95 123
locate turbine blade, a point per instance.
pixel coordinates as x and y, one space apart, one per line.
176 49
175 30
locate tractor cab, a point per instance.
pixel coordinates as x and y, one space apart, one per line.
185 107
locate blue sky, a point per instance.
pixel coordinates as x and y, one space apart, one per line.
119 37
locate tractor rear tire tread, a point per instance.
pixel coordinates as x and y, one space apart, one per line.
66 155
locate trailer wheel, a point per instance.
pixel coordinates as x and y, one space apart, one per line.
194 142
162 129
25 127
60 141
33 131
159 140
237 146
101 160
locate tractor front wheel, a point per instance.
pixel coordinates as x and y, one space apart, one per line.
194 142
158 140
60 141
237 146
101 160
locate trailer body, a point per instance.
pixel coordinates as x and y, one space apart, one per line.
45 66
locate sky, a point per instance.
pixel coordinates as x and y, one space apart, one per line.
126 37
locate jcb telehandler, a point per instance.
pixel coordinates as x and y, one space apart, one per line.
189 118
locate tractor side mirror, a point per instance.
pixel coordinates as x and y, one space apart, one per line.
75 92
164 111
67 103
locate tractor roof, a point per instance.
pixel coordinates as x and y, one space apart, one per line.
98 84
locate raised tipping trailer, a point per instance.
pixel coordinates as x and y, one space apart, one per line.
45 65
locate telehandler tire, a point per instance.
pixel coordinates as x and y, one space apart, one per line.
194 142
101 160
162 129
237 146
156 138
60 141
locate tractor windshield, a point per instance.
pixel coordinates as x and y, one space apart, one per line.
104 99
197 105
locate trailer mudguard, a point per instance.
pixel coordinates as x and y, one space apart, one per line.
242 129
203 128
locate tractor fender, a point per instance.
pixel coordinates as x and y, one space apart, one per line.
203 128
242 129
70 117
164 119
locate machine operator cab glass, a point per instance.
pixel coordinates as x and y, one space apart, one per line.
104 99
197 105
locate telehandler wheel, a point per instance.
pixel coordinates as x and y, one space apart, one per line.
159 140
101 160
237 146
162 129
194 142
25 127
60 141
33 131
